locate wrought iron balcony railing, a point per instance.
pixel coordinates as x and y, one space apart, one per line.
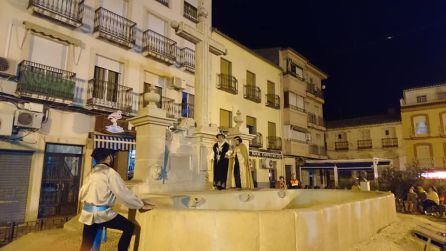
293 107
365 144
273 100
312 118
227 83
313 89
69 12
159 46
341 145
109 96
187 59
274 143
320 121
190 12
114 28
257 142
424 162
163 2
389 142
253 93
45 82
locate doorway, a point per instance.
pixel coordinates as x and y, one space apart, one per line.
60 180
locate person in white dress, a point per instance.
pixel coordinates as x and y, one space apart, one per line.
98 195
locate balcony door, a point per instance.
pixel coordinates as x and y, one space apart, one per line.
48 52
187 105
116 6
106 84
271 88
271 129
225 67
251 124
250 79
60 180
156 24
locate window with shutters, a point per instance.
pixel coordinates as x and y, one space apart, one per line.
294 101
225 119
251 124
48 52
420 125
250 78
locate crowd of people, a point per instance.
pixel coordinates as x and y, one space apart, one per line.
420 201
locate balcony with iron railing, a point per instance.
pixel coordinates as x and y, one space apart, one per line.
159 47
312 118
108 96
273 101
45 82
227 83
293 107
341 145
257 142
253 93
424 162
320 121
163 2
365 144
314 149
114 28
389 142
68 12
190 12
274 143
314 90
187 59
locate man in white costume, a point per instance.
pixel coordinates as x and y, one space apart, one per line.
239 172
98 195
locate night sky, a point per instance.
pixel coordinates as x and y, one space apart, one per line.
371 50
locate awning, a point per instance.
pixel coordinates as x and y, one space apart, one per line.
122 143
53 34
344 165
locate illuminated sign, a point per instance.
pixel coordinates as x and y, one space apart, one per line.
435 175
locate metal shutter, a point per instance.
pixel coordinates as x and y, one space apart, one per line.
14 180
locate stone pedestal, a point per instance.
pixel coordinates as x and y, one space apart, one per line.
151 124
205 139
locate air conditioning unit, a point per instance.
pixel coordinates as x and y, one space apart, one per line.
6 122
177 83
8 67
27 119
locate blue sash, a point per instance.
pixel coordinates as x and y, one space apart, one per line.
101 234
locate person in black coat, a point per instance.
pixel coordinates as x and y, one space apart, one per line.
221 161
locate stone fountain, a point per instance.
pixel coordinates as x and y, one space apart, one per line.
172 170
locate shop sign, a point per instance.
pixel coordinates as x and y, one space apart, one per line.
270 155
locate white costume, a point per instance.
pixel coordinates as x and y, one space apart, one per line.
101 188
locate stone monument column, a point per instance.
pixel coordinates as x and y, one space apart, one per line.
205 46
151 124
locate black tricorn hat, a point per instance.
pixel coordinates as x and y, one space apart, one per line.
220 134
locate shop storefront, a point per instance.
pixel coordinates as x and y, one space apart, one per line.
268 167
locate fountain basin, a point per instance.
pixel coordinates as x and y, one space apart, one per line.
264 220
